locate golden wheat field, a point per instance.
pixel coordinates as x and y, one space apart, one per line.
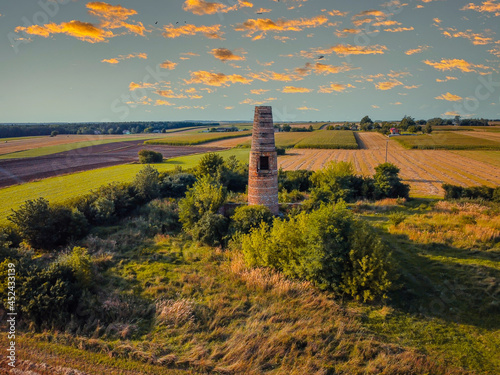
424 170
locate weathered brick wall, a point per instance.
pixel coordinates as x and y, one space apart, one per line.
263 184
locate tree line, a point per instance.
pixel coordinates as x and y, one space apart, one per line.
10 131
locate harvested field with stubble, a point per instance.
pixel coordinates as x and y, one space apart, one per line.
424 170
17 171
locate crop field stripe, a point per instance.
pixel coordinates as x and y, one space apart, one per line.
61 188
447 141
329 139
195 139
488 157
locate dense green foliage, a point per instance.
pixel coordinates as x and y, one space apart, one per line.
198 210
44 227
246 218
9 131
337 181
294 180
474 192
327 246
149 157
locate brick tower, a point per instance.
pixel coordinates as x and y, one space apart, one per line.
263 165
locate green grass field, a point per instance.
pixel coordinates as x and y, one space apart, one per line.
59 189
196 138
329 139
462 128
446 141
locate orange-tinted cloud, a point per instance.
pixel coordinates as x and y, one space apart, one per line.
264 25
331 69
305 108
126 57
459 64
420 49
115 17
346 49
489 6
399 29
80 30
387 85
111 17
273 76
477 39
211 32
263 10
337 13
170 94
163 102
293 90
346 32
201 7
334 87
449 97
216 79
224 54
142 85
259 92
446 79
168 65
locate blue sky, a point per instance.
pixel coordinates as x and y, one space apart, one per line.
149 60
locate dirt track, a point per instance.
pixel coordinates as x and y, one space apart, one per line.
424 170
16 171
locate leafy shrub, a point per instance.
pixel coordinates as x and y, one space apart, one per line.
206 195
45 227
46 297
80 263
146 184
162 215
280 151
333 183
366 274
388 183
210 164
246 218
150 157
294 180
397 218
290 197
474 192
176 185
210 230
328 247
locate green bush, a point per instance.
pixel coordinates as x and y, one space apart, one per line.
206 195
211 229
328 247
176 185
280 151
150 157
80 263
46 227
388 183
290 197
210 164
294 180
45 297
146 184
246 218
162 216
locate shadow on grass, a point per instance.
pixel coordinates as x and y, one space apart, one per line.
447 283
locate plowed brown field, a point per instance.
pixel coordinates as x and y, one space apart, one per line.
424 170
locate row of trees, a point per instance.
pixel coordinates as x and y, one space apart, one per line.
8 131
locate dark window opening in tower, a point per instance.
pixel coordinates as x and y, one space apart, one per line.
264 163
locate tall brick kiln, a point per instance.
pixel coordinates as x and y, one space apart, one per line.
263 165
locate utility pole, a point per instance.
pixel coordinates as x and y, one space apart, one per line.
386 146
